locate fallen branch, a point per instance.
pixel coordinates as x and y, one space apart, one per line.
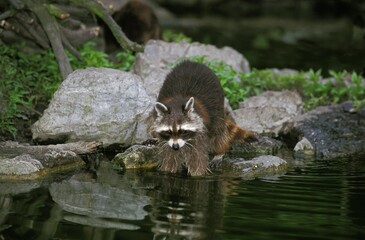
12 149
27 161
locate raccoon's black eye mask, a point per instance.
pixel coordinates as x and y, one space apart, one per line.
166 135
186 133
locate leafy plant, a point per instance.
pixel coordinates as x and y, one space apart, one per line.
91 57
228 78
172 36
28 81
21 84
313 88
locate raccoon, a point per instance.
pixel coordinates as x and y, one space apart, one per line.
190 122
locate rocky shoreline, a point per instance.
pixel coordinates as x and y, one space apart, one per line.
113 107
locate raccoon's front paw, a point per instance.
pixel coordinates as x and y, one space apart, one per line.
216 162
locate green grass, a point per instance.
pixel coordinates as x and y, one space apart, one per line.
173 36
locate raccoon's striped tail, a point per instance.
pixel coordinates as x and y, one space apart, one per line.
238 133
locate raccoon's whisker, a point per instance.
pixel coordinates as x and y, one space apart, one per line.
162 148
160 144
191 146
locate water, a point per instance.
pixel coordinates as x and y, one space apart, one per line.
314 200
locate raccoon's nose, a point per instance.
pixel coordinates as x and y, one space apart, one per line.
175 146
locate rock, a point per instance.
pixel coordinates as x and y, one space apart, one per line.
264 145
271 113
332 131
24 161
304 146
259 166
153 81
20 165
96 104
142 156
137 156
155 62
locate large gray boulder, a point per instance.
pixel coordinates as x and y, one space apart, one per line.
270 113
99 104
333 131
155 62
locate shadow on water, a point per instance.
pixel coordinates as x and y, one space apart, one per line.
316 199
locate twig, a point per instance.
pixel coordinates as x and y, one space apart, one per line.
100 11
50 26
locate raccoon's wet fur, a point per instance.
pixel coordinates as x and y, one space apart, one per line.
190 121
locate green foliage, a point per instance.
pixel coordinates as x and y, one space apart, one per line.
91 57
314 90
172 36
29 79
228 78
22 76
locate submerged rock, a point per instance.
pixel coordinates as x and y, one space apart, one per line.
96 104
259 166
332 131
271 113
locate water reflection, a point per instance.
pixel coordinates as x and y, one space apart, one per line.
185 207
320 198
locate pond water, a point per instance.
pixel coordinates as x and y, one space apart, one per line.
314 199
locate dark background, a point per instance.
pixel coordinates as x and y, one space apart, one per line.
299 34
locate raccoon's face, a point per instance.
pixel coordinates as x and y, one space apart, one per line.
177 123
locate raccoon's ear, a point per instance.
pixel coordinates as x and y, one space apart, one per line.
189 106
161 109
